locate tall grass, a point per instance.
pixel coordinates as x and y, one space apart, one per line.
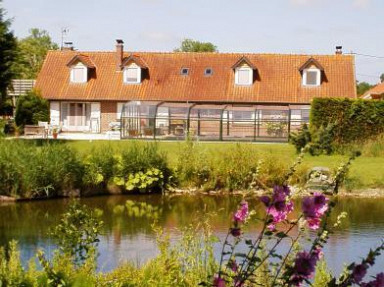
30 170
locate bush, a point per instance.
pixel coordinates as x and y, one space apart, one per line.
301 138
31 109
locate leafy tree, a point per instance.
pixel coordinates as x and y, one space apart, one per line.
362 87
31 108
382 77
189 45
8 53
32 51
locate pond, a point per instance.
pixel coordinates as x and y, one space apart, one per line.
129 238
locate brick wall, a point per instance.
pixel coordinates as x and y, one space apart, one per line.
108 114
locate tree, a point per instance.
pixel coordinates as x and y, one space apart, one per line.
8 47
32 51
382 77
189 45
362 87
31 109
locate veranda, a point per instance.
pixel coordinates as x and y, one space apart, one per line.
210 122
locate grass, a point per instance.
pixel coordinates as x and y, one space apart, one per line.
366 171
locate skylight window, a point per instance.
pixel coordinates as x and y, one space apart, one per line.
208 72
184 71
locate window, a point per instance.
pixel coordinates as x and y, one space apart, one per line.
132 75
244 76
79 74
311 77
184 71
208 72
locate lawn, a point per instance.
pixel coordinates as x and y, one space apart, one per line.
366 172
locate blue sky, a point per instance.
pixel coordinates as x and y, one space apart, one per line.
259 26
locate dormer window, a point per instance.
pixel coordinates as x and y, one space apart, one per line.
243 76
79 73
311 77
312 72
244 70
80 66
132 74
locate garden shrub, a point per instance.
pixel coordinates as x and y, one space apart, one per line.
31 109
300 138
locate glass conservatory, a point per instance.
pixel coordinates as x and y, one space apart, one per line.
211 122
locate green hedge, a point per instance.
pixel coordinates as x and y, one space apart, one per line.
353 120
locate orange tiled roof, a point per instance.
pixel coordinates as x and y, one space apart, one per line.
83 59
375 92
278 78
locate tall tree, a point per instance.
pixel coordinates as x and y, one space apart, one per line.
362 87
32 51
8 53
189 45
382 78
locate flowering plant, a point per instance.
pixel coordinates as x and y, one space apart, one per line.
264 264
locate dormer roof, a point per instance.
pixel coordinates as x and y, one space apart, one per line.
84 59
243 60
311 62
134 59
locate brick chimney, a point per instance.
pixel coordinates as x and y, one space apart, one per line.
119 53
339 50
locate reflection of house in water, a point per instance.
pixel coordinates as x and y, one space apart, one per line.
210 96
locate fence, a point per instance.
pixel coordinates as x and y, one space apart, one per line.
174 121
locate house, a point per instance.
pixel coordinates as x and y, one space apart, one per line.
376 93
217 95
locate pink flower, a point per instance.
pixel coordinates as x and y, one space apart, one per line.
305 264
314 208
218 281
241 214
358 273
278 206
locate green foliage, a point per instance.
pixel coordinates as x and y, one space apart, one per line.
276 129
353 120
145 182
323 140
322 274
362 87
2 128
189 45
28 170
8 55
78 231
31 109
32 51
301 138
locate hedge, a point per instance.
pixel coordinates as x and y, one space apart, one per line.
353 119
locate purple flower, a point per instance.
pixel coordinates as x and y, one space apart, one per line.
218 281
278 206
358 273
314 208
305 264
242 213
378 282
236 232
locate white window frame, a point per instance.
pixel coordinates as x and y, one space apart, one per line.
318 77
250 76
119 110
79 66
138 71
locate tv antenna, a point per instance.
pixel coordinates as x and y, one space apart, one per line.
64 32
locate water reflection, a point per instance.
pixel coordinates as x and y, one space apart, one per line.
131 238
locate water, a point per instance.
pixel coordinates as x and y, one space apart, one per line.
128 238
